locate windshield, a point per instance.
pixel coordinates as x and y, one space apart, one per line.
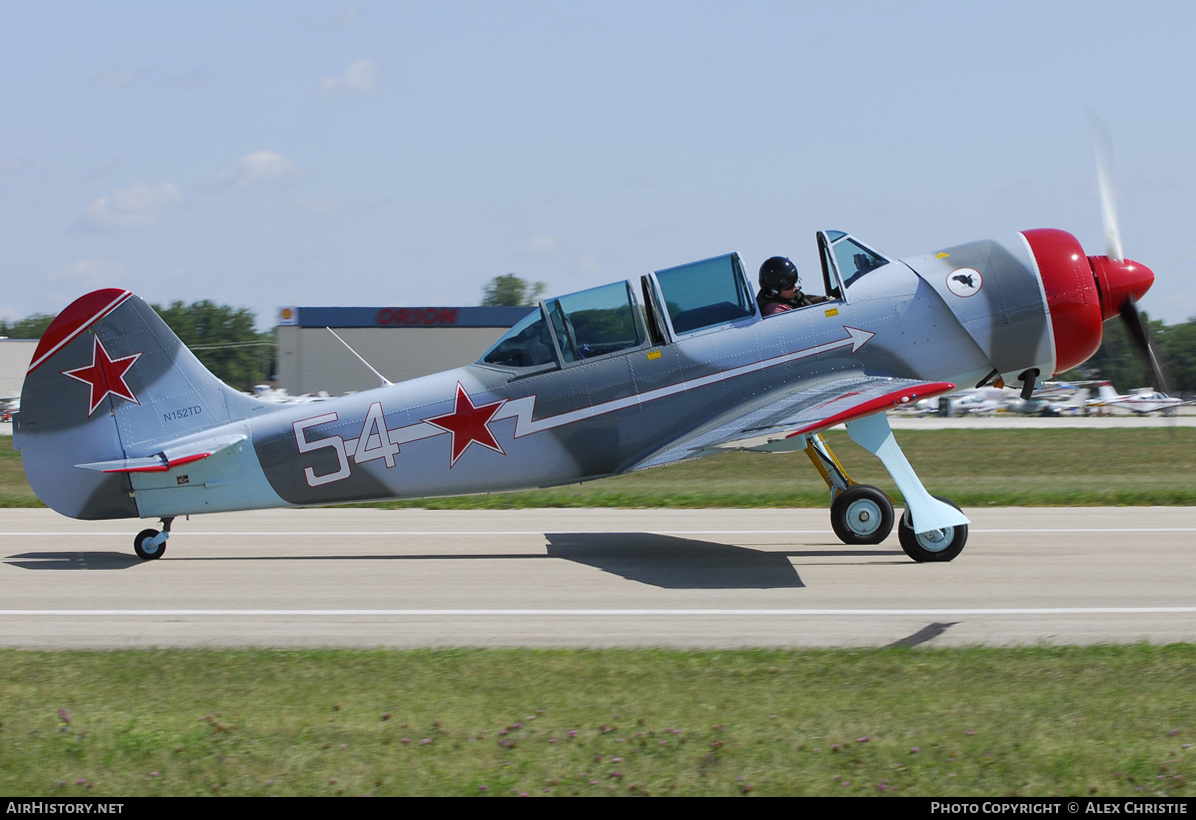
853 259
527 344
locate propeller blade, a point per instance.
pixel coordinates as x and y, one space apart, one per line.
1137 330
1104 179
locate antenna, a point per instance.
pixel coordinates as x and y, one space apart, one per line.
385 381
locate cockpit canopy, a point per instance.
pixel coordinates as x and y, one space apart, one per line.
663 306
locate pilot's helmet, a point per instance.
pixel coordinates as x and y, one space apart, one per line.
778 274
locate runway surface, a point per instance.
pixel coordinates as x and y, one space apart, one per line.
589 578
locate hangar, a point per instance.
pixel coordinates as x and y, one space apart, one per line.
399 342
15 355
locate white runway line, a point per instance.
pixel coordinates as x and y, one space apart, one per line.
458 533
625 613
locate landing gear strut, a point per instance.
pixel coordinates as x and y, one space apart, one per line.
937 545
151 544
860 513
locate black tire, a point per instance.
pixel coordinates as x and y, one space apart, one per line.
145 550
942 545
862 515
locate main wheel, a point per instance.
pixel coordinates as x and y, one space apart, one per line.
144 545
862 515
936 545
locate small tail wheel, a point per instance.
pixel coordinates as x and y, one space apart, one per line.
862 515
145 547
936 545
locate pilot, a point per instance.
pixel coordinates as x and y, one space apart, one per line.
780 287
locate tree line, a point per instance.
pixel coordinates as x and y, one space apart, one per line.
1118 360
221 337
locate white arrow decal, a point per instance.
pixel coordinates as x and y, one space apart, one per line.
523 409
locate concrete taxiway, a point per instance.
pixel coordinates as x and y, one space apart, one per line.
588 578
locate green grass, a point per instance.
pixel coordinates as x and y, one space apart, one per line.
1041 467
14 489
1043 721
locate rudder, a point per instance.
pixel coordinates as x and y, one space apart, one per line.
110 381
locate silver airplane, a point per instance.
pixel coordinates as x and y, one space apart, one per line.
120 420
1140 401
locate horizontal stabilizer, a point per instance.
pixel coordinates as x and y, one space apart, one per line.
168 459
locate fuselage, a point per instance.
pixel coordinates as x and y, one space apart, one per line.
621 377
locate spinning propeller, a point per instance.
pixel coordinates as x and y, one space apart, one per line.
1083 292
1121 282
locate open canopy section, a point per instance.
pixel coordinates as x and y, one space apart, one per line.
706 294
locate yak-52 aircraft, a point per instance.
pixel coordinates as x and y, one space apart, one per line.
120 420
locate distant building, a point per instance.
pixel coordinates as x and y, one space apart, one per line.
399 342
15 356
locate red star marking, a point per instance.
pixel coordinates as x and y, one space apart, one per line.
105 375
468 424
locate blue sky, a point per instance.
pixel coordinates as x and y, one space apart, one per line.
263 154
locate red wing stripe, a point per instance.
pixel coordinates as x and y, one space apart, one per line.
179 462
879 404
160 468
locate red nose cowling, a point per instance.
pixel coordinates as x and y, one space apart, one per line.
1082 292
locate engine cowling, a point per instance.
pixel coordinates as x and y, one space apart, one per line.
1082 292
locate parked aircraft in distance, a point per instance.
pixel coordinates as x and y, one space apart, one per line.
1141 401
983 401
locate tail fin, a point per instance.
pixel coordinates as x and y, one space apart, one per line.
109 381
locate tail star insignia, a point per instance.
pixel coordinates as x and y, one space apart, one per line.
105 375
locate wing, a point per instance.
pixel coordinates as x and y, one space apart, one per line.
804 409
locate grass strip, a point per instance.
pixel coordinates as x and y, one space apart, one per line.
947 722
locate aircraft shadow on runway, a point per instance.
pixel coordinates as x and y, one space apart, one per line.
73 560
671 562
664 561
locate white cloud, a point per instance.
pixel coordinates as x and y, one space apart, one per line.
357 80
138 206
261 168
541 244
